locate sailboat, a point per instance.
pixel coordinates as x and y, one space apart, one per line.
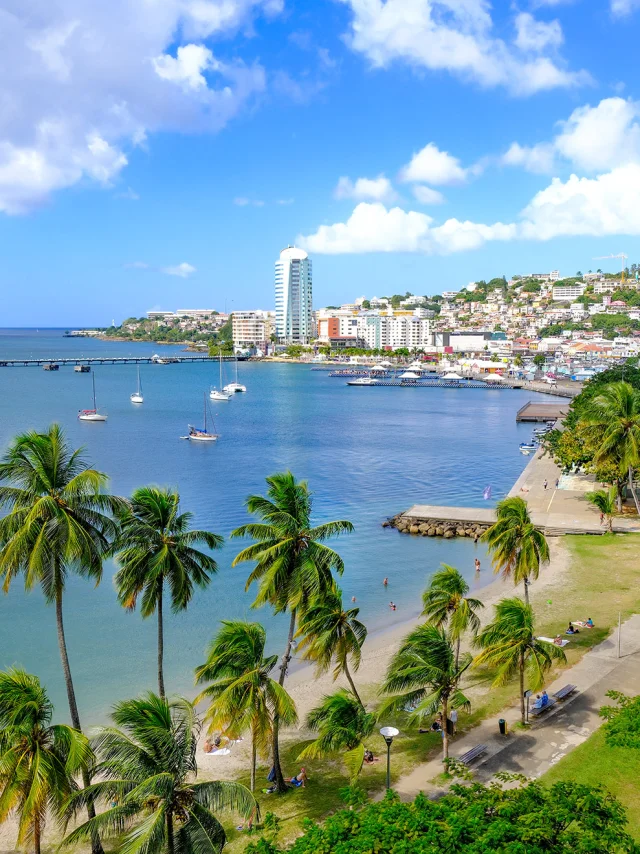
236 386
201 435
137 397
92 414
214 394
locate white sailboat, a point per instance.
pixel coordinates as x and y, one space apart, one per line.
197 434
214 394
137 397
92 414
231 388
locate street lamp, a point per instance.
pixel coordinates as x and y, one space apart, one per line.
389 733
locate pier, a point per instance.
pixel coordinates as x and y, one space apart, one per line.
541 412
114 360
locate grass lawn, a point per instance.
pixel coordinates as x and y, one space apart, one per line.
617 768
600 582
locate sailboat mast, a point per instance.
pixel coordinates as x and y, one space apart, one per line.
204 397
93 379
220 354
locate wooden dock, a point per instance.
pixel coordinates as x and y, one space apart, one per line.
113 360
541 412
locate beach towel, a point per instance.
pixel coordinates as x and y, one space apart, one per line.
551 640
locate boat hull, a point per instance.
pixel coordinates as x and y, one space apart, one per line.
92 417
136 398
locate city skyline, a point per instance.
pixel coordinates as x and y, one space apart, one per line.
474 143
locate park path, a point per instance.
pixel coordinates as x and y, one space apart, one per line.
533 751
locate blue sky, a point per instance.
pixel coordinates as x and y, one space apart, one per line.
160 153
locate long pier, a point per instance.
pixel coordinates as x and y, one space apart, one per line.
114 360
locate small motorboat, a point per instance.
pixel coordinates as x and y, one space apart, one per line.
363 381
528 447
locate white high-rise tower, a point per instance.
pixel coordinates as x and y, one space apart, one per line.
293 297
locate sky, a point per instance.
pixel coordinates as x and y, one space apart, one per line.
158 154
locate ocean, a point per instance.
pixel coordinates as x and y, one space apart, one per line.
367 453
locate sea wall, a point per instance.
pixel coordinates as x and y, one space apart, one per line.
446 528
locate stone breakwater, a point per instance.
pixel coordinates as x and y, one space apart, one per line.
434 527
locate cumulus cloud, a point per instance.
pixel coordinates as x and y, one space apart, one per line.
427 196
457 36
434 167
591 139
183 270
606 204
533 35
622 8
82 83
377 189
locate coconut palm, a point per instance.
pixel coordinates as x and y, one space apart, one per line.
59 521
604 500
147 769
293 566
509 644
517 546
616 414
156 548
445 604
343 726
332 634
423 676
38 759
242 695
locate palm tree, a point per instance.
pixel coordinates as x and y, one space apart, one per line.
424 677
38 759
616 412
518 547
604 500
156 547
445 604
293 566
243 696
342 725
329 633
59 521
509 644
147 769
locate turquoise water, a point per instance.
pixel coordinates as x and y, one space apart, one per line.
367 454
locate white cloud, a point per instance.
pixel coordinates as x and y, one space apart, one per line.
377 189
183 270
434 167
427 196
79 86
455 36
592 139
605 205
187 66
622 8
533 35
285 201
243 201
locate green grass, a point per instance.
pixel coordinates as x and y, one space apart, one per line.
617 768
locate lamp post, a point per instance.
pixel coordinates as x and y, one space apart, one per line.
389 733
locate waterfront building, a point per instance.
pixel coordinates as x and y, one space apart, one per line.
293 282
253 328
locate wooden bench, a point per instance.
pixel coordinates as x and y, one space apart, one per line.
533 712
565 691
472 754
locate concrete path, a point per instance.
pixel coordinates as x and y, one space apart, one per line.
532 752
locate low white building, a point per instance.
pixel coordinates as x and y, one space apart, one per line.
566 293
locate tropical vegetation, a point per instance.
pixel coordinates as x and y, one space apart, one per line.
510 648
242 694
156 551
446 604
146 767
605 501
293 566
517 547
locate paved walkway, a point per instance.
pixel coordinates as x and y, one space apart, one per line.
533 751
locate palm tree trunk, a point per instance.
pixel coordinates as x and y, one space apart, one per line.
96 845
253 758
445 732
279 781
170 840
526 590
352 684
160 646
619 485
522 706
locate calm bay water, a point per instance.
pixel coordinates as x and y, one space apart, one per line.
367 454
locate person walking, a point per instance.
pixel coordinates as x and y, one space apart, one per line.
545 484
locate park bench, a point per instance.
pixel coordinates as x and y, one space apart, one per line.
533 713
472 754
565 691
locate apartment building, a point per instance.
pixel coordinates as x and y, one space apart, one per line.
253 328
